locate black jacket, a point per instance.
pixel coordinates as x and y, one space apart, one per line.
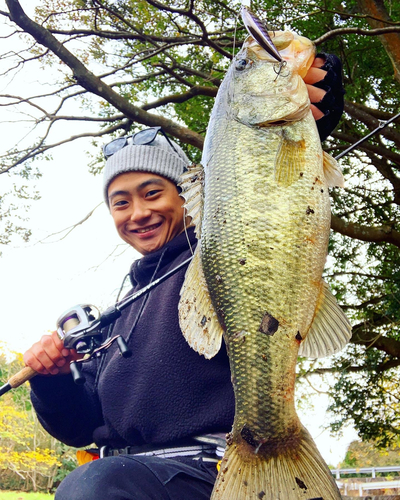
164 392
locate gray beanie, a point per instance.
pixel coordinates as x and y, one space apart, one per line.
157 157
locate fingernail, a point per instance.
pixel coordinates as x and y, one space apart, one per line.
61 362
65 352
54 371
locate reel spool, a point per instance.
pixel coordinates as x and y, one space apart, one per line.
72 325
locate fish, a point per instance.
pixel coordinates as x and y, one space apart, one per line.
260 204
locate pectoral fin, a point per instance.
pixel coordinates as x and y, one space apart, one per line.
332 171
330 330
197 317
192 191
289 161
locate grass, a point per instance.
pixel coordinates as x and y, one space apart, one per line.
23 495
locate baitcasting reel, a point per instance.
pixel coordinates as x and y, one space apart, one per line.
80 329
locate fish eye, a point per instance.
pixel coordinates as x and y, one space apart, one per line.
242 64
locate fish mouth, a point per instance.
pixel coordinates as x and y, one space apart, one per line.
297 115
146 229
276 123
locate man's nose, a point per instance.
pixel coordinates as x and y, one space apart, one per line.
139 212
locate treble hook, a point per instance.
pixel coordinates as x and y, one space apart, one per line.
282 64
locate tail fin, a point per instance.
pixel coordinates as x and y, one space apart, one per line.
300 474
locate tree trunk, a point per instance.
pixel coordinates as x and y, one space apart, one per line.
380 19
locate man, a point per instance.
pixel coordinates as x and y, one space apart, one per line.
156 416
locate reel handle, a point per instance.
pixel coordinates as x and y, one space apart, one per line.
123 348
76 373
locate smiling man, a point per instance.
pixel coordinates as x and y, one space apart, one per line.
152 406
158 418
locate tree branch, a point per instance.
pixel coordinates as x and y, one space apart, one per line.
368 147
362 335
96 86
182 97
189 13
383 234
378 17
355 31
42 148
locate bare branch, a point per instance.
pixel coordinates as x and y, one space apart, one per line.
355 31
190 14
95 85
361 113
42 148
182 97
68 230
362 335
368 147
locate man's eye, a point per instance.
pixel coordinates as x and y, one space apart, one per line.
153 192
120 203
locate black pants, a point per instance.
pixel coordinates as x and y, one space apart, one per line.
129 477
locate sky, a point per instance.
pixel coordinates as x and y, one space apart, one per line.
43 278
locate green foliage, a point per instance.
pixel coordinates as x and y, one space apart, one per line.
68 464
370 398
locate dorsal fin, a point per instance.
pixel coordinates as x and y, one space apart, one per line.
192 191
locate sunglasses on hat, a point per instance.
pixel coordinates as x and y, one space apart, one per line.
143 138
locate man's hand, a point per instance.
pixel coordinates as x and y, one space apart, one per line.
314 75
50 357
325 89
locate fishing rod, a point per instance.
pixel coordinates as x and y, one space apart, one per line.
80 328
380 127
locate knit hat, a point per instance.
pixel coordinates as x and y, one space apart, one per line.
157 157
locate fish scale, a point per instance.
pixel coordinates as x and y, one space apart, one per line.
263 227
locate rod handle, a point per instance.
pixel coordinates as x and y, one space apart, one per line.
21 377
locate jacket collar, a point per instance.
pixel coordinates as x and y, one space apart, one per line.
142 270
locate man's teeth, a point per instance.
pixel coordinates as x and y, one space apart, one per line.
147 229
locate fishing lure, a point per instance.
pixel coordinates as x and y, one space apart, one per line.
257 30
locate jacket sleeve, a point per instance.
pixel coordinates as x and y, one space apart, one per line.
67 411
332 104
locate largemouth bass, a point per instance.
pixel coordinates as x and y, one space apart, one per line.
261 208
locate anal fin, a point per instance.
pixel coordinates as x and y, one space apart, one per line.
330 330
332 171
197 317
